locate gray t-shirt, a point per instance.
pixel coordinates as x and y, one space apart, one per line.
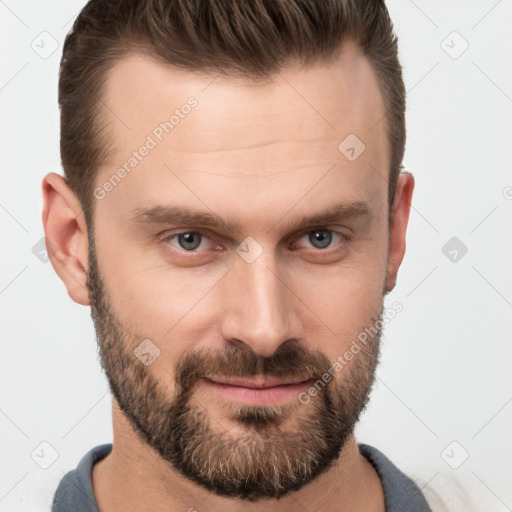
75 494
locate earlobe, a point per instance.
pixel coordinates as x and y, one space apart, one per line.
66 236
400 211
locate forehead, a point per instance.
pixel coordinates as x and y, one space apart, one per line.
242 136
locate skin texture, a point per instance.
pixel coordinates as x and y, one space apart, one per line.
262 156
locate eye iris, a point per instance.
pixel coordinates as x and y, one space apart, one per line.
191 240
320 239
186 240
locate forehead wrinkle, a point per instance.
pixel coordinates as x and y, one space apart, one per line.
247 175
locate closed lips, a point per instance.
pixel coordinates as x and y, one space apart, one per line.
257 383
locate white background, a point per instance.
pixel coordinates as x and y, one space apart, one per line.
446 359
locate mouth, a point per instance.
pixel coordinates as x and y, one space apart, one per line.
257 382
258 390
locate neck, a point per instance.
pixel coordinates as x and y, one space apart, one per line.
134 477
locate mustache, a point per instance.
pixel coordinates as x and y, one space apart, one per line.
290 360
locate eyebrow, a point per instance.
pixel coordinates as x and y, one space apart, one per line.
162 215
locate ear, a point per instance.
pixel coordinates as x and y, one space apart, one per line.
398 226
66 236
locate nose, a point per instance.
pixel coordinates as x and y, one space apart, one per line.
260 312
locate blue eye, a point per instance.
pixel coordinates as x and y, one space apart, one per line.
323 238
197 242
189 241
320 238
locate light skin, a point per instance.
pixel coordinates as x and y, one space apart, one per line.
261 156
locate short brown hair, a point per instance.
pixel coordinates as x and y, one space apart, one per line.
249 38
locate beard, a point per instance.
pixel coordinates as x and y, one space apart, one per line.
274 449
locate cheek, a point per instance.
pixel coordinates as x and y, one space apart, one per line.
149 296
162 302
341 301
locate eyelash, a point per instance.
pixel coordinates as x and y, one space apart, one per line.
168 237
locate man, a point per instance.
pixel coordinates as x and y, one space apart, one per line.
234 213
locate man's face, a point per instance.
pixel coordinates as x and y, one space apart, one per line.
267 295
